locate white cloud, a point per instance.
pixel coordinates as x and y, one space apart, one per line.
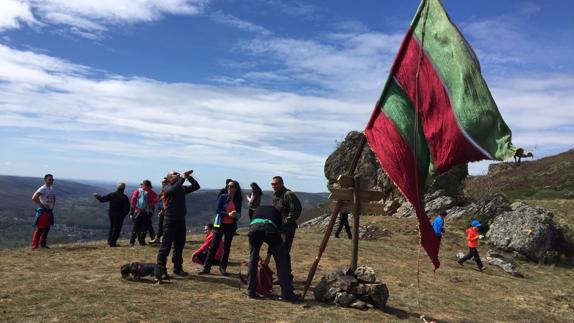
15 12
238 23
264 130
342 64
90 18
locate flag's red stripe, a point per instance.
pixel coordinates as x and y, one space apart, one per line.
446 141
398 161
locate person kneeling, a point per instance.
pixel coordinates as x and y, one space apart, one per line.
200 254
264 227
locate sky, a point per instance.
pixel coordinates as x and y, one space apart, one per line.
123 90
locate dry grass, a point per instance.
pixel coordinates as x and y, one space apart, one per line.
81 282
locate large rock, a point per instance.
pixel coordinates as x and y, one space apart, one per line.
379 294
448 184
325 289
507 264
344 299
527 230
368 167
366 274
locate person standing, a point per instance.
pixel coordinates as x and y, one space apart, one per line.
174 222
45 198
264 228
228 214
143 201
117 211
287 203
254 198
161 216
438 225
472 237
343 222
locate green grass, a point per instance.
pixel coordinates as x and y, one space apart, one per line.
81 282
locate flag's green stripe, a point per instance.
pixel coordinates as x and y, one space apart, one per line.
470 97
398 108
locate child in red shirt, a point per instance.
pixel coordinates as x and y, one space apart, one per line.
472 237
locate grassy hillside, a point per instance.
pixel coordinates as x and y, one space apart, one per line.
81 282
546 178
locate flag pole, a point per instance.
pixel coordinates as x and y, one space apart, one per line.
355 161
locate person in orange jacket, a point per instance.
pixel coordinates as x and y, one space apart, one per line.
472 237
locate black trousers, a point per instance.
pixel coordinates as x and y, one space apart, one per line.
225 231
343 222
116 222
174 234
251 211
266 233
472 252
160 225
149 225
139 229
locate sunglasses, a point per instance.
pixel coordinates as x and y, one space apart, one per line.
231 186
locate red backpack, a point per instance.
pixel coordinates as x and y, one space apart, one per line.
264 277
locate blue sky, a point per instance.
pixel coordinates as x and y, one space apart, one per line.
130 89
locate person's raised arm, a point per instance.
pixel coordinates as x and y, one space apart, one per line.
194 184
105 198
170 188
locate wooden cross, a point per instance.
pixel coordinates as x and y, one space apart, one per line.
355 197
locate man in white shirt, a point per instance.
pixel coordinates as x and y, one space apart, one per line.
45 198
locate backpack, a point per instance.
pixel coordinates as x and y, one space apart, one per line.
141 202
264 277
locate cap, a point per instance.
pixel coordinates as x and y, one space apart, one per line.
475 223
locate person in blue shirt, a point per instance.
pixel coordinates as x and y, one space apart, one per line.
438 224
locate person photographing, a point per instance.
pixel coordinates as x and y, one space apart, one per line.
174 223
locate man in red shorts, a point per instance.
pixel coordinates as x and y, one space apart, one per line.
45 198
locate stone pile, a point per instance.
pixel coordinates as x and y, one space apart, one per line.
359 289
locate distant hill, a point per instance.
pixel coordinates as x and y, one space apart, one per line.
546 178
79 216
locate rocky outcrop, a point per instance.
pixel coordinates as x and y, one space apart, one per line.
505 263
445 191
528 230
358 289
368 167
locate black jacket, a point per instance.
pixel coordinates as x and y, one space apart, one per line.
174 196
267 212
119 203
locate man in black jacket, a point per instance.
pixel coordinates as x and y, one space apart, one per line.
174 226
119 208
265 227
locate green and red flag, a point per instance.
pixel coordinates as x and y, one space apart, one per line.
435 112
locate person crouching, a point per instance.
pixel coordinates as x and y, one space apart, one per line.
264 227
200 254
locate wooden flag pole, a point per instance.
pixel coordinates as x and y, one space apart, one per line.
334 214
356 216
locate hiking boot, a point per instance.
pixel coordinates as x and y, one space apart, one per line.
155 240
223 272
481 269
180 272
35 248
45 247
204 272
251 295
291 298
459 262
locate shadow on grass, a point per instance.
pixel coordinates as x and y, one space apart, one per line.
232 280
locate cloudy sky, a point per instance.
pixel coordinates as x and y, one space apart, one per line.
130 89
